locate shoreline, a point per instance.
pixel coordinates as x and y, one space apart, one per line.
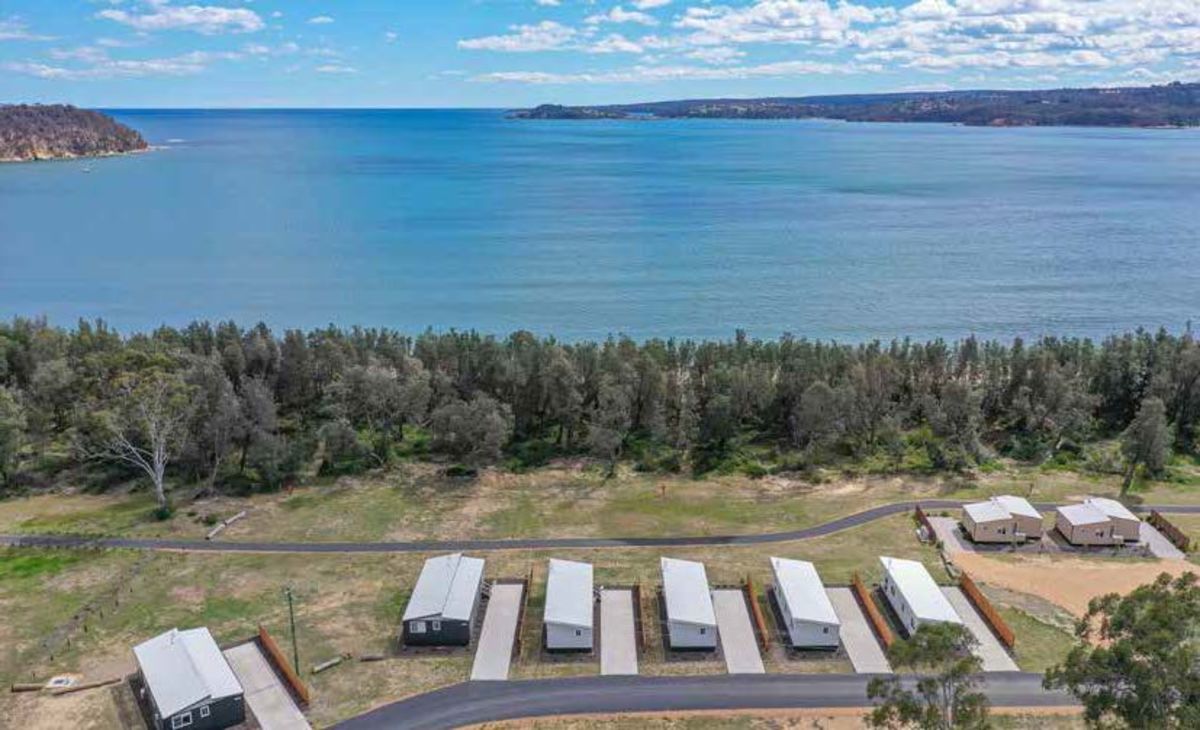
69 158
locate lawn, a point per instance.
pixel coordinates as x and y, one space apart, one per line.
415 501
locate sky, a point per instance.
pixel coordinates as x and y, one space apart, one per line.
509 53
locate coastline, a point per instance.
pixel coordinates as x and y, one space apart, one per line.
70 157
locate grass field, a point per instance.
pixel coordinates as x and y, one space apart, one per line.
415 501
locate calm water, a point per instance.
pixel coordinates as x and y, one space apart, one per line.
693 228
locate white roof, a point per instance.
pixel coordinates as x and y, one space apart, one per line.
803 591
447 587
685 585
920 591
1112 508
1083 514
1017 506
569 594
987 512
184 668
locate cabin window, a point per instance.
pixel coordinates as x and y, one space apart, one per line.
181 721
703 631
417 627
205 712
436 626
824 629
1003 530
579 632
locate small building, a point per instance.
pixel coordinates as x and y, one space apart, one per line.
1030 522
570 606
188 683
691 619
914 595
806 609
989 522
442 607
1003 519
1126 525
1084 524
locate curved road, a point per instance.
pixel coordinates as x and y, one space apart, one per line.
536 543
477 702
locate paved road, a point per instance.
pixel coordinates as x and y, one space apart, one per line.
421 546
618 632
494 653
738 642
477 702
270 702
858 638
995 658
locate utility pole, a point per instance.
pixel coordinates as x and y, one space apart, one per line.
292 617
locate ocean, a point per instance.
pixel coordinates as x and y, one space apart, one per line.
423 218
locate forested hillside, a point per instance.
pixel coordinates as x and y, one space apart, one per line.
250 409
37 132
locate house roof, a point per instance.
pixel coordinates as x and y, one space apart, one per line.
685 585
1017 506
1083 514
920 591
184 668
803 591
987 512
569 598
447 587
1112 508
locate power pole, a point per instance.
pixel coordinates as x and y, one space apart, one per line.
292 617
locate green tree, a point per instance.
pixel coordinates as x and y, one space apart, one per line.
1147 441
12 433
1137 664
815 418
477 429
945 697
610 423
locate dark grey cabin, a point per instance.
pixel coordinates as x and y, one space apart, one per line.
188 683
442 607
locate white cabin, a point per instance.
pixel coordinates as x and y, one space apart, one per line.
806 609
691 619
915 595
569 606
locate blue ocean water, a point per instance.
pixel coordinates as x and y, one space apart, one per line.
690 228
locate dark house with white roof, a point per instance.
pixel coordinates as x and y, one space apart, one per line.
188 683
443 603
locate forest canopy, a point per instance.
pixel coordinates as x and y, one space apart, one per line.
246 408
42 132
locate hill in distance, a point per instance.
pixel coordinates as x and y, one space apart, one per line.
1171 105
47 132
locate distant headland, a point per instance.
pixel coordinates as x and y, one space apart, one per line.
1172 105
58 131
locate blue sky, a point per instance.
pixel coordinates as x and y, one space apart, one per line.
501 53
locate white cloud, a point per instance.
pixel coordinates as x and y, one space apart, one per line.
391 36
716 54
649 4
544 36
657 74
336 68
615 43
14 30
621 15
548 3
320 20
158 15
100 66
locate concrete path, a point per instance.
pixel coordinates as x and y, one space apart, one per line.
858 638
618 633
990 650
421 546
1159 544
266 696
474 703
946 530
736 632
494 653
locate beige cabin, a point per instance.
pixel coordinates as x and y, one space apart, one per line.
1003 519
1126 524
1083 524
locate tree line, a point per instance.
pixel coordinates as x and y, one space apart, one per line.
227 405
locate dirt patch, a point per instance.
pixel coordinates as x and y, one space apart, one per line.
1070 583
189 595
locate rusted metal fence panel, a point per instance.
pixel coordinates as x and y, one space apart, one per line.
760 621
1173 533
276 657
987 611
880 624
